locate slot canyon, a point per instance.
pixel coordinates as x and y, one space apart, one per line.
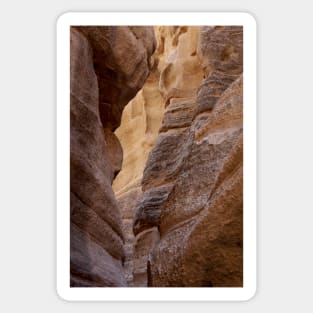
156 156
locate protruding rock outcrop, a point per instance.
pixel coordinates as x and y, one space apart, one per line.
189 218
108 67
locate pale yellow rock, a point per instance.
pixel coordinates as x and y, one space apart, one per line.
181 71
139 128
176 75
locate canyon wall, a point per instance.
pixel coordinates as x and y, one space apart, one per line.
141 122
108 67
174 218
187 208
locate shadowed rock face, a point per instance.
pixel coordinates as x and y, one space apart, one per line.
108 67
188 222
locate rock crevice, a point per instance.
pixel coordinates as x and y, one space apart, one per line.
188 213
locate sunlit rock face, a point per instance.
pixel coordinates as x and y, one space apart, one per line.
109 65
176 72
188 219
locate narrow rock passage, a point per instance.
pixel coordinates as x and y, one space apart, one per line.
182 204
156 156
109 65
176 72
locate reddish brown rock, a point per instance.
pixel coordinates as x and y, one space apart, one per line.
108 66
121 57
221 55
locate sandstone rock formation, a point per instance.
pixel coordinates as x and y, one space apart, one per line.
188 222
176 68
108 67
175 216
141 120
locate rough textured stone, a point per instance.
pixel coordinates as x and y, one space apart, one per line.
203 212
139 128
127 205
176 73
108 66
121 57
192 182
175 216
220 52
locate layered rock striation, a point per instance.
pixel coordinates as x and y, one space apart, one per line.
108 67
175 216
188 222
176 70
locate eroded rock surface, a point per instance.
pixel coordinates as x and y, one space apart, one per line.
175 216
176 71
188 222
108 67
